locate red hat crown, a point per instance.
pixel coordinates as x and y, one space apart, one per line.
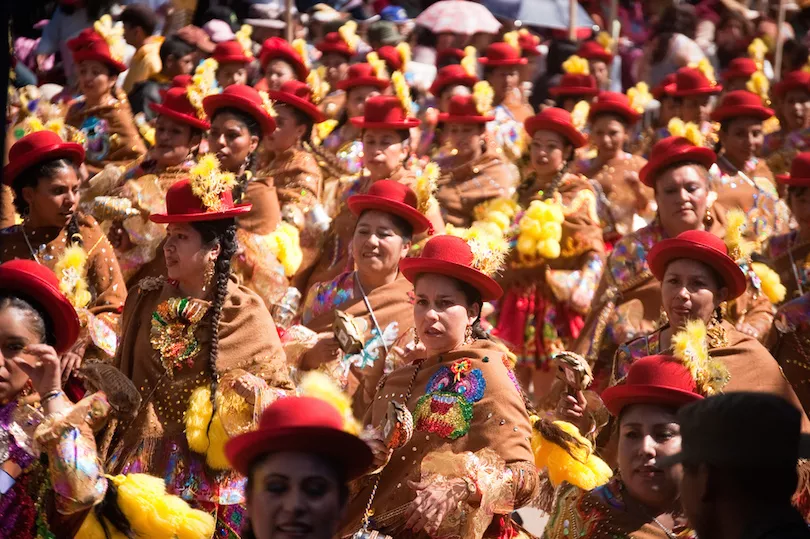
501 53
739 68
384 111
575 84
451 74
441 54
557 120
35 270
362 74
528 43
707 239
664 87
33 143
394 191
181 81
662 371
37 147
800 168
691 81
670 151
181 200
361 71
591 50
176 105
334 42
244 98
741 98
300 412
230 51
276 47
463 105
392 197
90 45
795 80
448 249
614 102
740 103
391 57
299 89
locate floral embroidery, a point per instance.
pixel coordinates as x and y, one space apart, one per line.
446 408
172 335
326 297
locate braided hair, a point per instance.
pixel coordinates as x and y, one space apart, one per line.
221 232
255 130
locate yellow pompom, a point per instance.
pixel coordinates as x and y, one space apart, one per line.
483 95
512 39
605 40
215 456
470 61
705 67
771 283
640 97
198 416
574 463
136 497
552 230
319 385
576 65
300 46
757 51
500 219
196 524
738 248
526 245
71 270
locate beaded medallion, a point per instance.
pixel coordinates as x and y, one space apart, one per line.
446 409
172 334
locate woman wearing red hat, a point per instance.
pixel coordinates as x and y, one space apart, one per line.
610 119
71 494
386 136
199 348
233 61
375 295
450 81
553 274
573 88
628 298
103 115
791 97
740 179
337 49
298 463
694 91
469 452
738 73
599 61
42 171
281 62
473 171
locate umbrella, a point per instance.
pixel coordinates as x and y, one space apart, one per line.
541 13
458 17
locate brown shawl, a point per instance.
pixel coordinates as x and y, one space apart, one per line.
8 213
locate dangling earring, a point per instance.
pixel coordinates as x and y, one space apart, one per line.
468 335
663 318
415 336
715 332
709 219
208 276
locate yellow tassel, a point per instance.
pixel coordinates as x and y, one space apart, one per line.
605 40
318 385
215 456
483 95
470 61
71 269
203 84
757 51
738 248
403 92
208 181
639 96
316 83
576 65
300 46
348 32
323 130
772 285
426 185
404 51
579 116
198 416
378 65
512 39
576 464
243 37
760 85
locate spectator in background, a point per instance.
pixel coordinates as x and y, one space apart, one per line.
197 38
559 50
739 453
177 58
70 18
672 46
139 24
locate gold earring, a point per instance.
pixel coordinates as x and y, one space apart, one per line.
468 335
208 276
709 219
415 336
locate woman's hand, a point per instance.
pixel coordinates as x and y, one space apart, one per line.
72 359
433 502
748 329
119 238
376 442
43 366
571 408
246 385
325 350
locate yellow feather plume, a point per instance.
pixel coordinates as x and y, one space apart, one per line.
576 65
404 51
574 463
426 185
243 37
113 34
705 67
205 431
318 385
688 130
690 347
771 125
738 248
605 40
470 61
579 116
403 92
489 253
203 84
512 39
483 95
676 127
348 32
323 130
197 419
285 245
208 182
316 80
760 85
300 46
71 269
378 65
757 51
640 97
770 282
268 104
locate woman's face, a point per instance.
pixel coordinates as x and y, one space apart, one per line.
800 208
646 433
601 72
15 334
441 313
743 139
231 140
53 201
696 109
231 73
503 79
356 100
277 73
682 196
288 131
377 244
294 495
795 104
187 259
337 66
173 142
547 152
466 138
95 80
690 291
608 134
449 92
384 151
670 108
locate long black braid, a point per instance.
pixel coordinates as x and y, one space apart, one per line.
254 128
223 233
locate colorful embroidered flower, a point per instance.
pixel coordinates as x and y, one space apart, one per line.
444 413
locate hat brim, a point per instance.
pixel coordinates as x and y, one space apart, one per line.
489 62
446 117
696 154
671 249
729 74
585 91
628 113
568 131
361 122
746 111
347 451
218 101
64 320
411 268
790 181
599 57
359 203
84 55
69 150
439 85
296 102
348 84
335 49
695 92
236 211
180 117
301 71
233 59
619 396
781 88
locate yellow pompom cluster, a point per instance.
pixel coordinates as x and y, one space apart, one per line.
690 347
348 33
540 230
378 65
605 40
576 65
512 39
113 34
318 385
206 434
483 95
426 185
688 130
403 92
757 51
286 247
323 130
150 512
71 268
500 211
639 96
300 46
470 61
760 85
243 37
203 84
772 285
581 467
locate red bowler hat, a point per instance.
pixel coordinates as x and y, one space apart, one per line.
176 106
799 172
391 56
384 112
181 81
443 54
301 425
664 88
276 47
657 379
450 256
615 103
392 197
591 50
529 43
703 247
739 68
452 75
741 103
36 148
33 280
244 98
557 120
795 80
690 82
669 151
502 54
362 75
89 45
298 95
463 110
575 84
183 206
231 51
332 43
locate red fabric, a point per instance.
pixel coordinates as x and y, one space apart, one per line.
690 81
384 112
671 150
452 75
741 103
591 50
578 85
38 147
183 206
89 45
244 98
557 120
799 171
394 197
739 68
299 95
334 43
230 51
362 75
391 57
502 54
463 110
616 103
276 47
177 106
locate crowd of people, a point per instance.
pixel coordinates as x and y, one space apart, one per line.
339 272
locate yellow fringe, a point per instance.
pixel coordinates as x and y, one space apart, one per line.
771 284
579 467
71 268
